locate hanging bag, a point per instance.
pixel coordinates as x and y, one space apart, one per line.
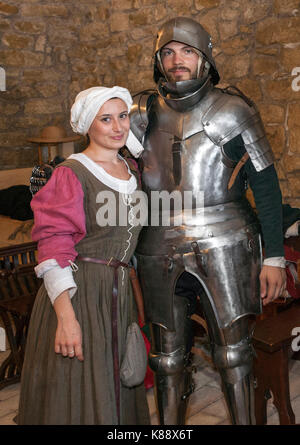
134 364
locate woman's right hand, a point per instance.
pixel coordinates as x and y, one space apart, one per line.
68 338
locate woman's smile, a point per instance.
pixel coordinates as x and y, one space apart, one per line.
118 137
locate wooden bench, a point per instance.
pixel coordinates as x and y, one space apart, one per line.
18 288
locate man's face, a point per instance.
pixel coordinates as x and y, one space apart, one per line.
179 61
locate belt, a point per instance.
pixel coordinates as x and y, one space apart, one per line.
112 262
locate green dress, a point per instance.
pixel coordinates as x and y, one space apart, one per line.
57 390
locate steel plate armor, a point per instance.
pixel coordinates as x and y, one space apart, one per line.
226 223
183 128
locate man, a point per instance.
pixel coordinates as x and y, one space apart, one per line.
199 138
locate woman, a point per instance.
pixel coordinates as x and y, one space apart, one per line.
76 339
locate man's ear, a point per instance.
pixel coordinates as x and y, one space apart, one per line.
157 72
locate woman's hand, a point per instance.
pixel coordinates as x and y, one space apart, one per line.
272 283
68 338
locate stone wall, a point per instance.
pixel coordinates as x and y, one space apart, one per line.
51 50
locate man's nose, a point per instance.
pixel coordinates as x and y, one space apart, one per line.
177 58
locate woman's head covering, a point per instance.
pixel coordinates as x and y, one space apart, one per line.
87 105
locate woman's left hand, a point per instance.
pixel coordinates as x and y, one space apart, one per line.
68 337
272 283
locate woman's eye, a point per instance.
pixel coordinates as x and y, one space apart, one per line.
105 119
123 115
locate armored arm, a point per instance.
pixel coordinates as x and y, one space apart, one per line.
139 114
232 115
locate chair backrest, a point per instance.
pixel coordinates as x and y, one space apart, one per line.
17 276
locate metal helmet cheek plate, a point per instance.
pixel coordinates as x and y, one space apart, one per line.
189 32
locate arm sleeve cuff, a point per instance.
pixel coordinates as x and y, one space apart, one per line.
277 261
57 280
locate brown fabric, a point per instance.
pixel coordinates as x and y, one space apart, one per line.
112 262
62 391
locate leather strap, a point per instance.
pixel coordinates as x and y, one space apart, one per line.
112 262
197 253
177 148
235 172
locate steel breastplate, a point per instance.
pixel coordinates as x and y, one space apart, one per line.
216 242
179 155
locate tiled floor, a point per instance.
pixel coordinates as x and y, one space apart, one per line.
206 406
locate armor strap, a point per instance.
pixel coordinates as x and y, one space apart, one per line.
237 169
177 148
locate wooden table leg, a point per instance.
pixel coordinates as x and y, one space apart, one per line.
280 387
261 390
271 372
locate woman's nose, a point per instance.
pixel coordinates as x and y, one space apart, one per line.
117 125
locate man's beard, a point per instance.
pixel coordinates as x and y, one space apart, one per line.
178 78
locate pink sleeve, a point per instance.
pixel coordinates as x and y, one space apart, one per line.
59 219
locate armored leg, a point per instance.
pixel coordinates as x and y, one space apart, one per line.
169 359
234 362
232 353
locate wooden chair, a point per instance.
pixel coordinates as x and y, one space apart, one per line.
18 287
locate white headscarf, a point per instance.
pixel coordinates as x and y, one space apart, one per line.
87 105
